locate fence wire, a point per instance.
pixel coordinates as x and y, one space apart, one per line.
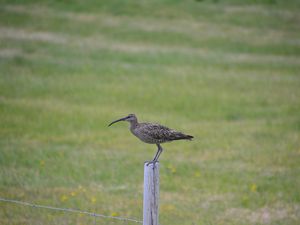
93 214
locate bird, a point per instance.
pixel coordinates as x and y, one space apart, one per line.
152 133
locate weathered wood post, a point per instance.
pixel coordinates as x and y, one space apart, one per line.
151 194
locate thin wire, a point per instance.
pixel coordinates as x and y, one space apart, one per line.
68 210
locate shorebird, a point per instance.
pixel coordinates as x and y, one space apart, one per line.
152 133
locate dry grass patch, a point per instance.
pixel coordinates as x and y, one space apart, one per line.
264 215
22 34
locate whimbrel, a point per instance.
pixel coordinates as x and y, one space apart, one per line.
152 133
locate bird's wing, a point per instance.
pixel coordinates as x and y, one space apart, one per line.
157 131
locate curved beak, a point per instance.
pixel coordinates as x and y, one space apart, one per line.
122 119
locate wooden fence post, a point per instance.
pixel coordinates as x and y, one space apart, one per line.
151 194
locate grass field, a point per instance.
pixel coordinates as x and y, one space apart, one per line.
226 72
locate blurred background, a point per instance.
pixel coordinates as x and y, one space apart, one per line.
224 71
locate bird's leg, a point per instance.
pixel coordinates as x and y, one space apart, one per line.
159 151
155 157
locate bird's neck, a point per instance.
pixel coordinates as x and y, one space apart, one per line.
133 124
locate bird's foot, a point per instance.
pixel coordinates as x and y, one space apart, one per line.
151 162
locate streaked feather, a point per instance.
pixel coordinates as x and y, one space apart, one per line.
156 133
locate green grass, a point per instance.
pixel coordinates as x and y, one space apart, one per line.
226 72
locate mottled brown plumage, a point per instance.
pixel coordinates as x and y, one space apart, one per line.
152 133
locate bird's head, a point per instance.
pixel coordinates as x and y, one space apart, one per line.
130 118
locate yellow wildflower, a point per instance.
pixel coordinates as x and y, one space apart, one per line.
63 198
114 214
171 168
197 174
93 200
253 188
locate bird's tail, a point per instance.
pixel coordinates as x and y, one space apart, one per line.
188 137
181 136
